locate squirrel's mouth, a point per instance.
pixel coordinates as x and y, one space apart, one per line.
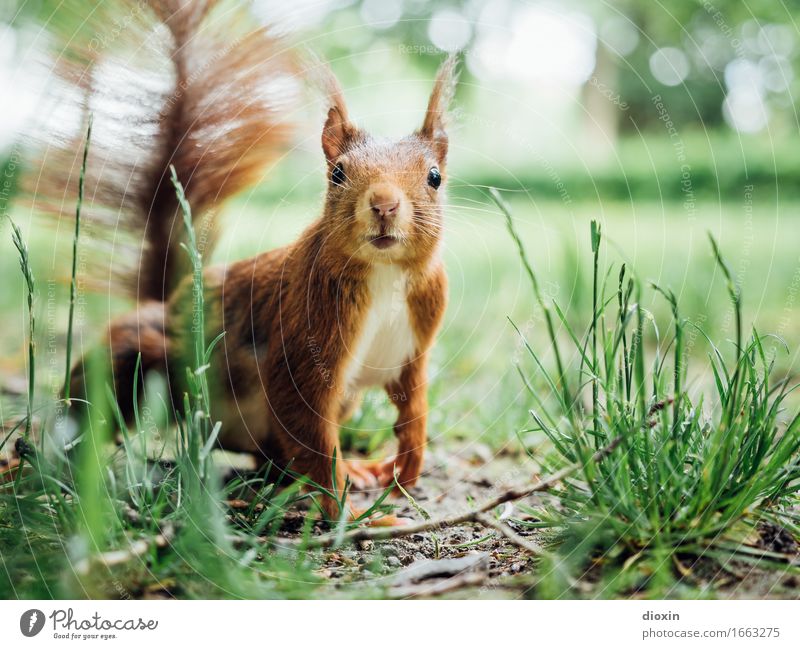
384 241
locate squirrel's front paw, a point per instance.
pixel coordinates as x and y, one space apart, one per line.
369 474
360 474
407 472
380 472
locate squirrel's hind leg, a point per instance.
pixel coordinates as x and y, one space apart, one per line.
140 332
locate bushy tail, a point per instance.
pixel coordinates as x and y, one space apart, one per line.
197 84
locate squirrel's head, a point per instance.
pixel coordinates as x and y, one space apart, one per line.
384 198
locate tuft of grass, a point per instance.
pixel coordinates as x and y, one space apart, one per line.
77 508
694 476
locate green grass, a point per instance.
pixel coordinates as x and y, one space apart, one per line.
694 475
70 504
57 517
475 388
74 507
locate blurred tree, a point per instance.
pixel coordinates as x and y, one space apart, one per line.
708 36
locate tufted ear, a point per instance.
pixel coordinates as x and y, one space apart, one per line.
433 128
338 132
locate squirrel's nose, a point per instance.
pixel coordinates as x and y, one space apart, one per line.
384 204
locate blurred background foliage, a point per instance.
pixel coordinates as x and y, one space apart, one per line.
663 120
587 90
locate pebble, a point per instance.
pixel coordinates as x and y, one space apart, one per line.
393 561
389 550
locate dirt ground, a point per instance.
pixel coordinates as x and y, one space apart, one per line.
465 560
470 561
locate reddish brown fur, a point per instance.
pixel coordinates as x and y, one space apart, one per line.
293 317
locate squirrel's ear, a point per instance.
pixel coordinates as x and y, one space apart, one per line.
338 132
433 128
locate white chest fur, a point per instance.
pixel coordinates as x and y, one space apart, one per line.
386 340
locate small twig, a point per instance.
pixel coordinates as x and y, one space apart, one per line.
117 557
468 580
503 528
470 516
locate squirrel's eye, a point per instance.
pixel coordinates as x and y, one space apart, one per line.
434 178
337 175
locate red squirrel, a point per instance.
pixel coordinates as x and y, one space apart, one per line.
355 302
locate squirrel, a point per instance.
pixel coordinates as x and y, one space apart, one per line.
355 302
